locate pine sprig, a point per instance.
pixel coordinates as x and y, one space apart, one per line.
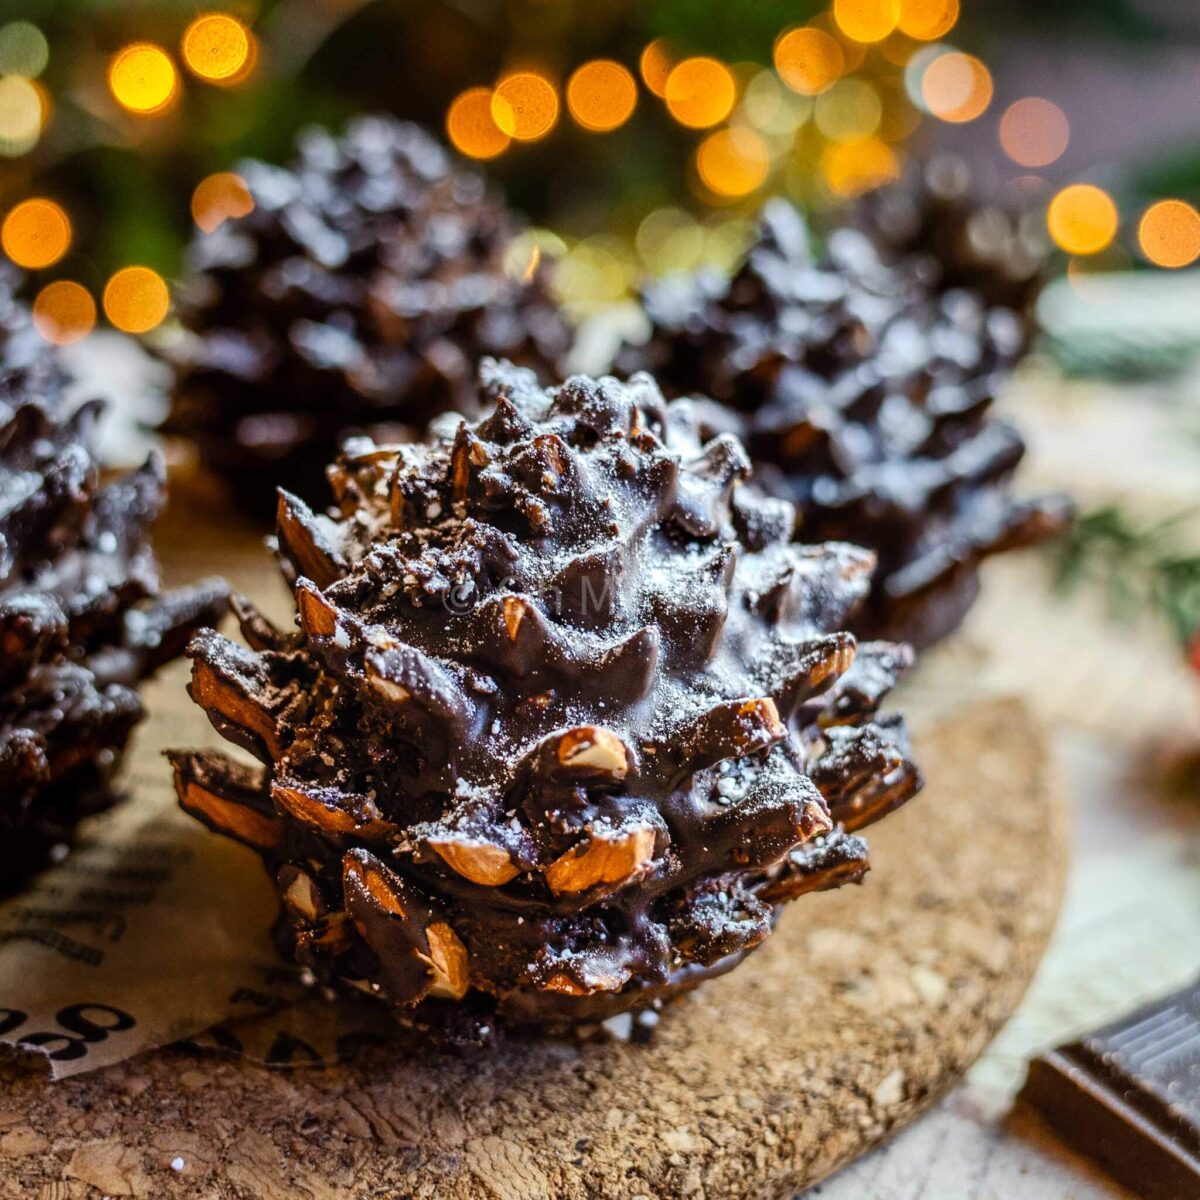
1141 565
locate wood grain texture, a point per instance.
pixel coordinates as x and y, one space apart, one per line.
864 1007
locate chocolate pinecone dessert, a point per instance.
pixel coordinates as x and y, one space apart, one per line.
358 295
565 722
81 619
863 393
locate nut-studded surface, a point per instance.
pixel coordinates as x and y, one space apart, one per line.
861 1010
372 274
562 726
864 389
81 622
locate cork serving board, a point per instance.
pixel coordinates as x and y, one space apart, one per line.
864 1007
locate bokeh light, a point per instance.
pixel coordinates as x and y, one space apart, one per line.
601 95
956 87
1082 219
927 20
733 162
22 114
64 312
142 78
809 60
525 106
655 66
216 47
700 92
1169 234
219 197
136 299
848 111
669 239
1034 132
850 168
472 128
23 49
36 234
866 20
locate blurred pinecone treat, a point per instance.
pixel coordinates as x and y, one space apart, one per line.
81 618
863 391
938 223
358 294
567 719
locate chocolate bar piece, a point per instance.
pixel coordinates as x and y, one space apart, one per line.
1128 1096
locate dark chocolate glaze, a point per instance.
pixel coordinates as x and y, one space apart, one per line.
81 621
863 389
553 737
358 295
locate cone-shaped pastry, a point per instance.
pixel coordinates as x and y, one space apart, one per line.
864 391
360 291
81 620
565 721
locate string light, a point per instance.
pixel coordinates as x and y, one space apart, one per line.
36 234
808 60
655 65
219 197
733 162
956 87
142 78
1034 132
601 95
866 20
64 312
136 299
1169 234
23 50
851 168
525 106
22 115
217 48
472 129
1082 219
928 20
700 92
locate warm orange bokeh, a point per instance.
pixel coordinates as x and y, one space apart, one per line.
136 299
1169 234
1034 132
525 106
956 87
866 20
601 95
216 47
36 234
64 312
142 78
733 162
1082 219
851 168
809 60
655 65
219 197
472 129
928 20
700 92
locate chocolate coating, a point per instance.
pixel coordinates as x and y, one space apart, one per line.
358 295
553 737
864 391
81 621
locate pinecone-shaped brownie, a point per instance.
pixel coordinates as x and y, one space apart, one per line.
81 621
565 722
863 391
358 294
938 221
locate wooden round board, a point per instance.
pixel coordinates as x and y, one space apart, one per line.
866 1005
